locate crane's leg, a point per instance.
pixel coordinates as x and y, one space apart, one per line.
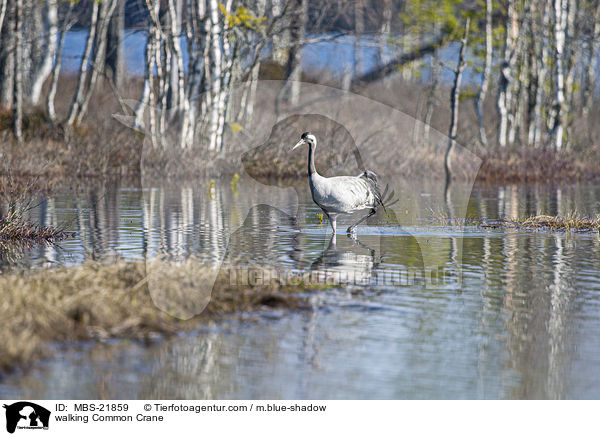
352 228
332 221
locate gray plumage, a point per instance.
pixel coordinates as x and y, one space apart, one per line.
341 194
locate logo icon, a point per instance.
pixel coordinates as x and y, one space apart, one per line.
26 415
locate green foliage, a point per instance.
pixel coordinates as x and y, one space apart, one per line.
467 94
236 127
433 16
448 17
234 182
211 189
243 18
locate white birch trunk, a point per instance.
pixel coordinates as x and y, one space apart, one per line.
227 57
559 17
152 60
115 62
590 68
502 109
572 45
142 105
517 102
107 9
196 63
3 5
533 84
281 40
42 71
163 56
431 99
18 81
83 68
480 98
542 68
291 89
454 101
359 30
56 68
7 55
177 64
216 79
384 32
206 100
504 86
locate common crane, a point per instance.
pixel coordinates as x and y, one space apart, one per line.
341 194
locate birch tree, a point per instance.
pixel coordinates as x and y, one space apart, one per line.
3 4
291 90
454 100
7 55
115 61
504 100
48 47
50 97
187 109
215 83
541 65
84 67
18 75
485 76
385 31
107 9
590 53
559 18
37 46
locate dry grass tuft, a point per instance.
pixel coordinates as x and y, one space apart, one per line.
535 165
101 300
571 222
15 228
16 197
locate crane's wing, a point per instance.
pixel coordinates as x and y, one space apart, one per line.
347 193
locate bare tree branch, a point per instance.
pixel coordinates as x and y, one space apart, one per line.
405 58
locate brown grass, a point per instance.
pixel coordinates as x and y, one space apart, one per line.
15 228
571 222
101 300
100 146
537 165
16 197
103 147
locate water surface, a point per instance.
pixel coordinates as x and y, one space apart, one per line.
516 316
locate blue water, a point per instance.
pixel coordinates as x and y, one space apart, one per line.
333 56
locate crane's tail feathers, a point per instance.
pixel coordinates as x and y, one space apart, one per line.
369 175
388 199
381 199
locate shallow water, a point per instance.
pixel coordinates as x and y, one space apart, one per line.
511 314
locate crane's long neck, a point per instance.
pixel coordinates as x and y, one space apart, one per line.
311 160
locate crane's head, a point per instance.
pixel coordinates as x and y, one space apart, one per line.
306 138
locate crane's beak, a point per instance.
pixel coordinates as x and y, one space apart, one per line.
298 144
